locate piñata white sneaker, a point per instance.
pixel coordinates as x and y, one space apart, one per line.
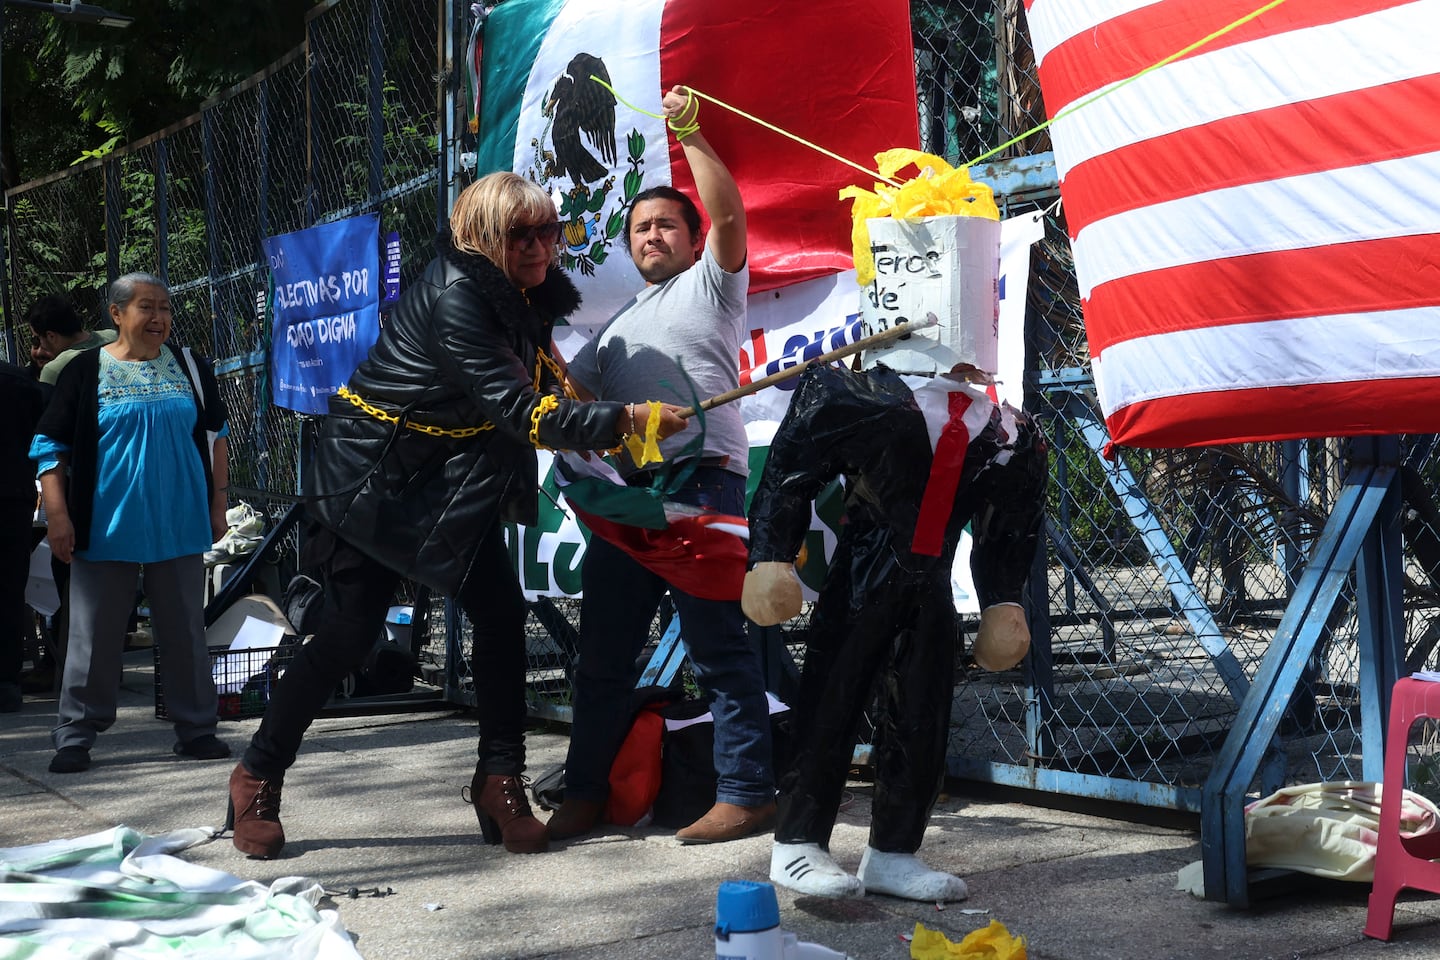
903 875
805 868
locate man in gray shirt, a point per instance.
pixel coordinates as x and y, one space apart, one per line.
677 341
60 332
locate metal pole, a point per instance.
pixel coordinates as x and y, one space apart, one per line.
12 346
114 205
376 96
162 208
218 347
451 60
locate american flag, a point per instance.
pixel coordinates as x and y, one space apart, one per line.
1256 223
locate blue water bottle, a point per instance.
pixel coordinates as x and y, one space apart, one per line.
747 922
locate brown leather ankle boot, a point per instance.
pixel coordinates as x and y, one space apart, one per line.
254 814
504 814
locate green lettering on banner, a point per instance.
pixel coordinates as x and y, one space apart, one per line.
535 574
566 568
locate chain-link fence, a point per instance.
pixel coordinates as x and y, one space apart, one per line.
1165 574
349 123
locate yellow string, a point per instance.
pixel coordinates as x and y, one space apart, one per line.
988 154
753 119
683 130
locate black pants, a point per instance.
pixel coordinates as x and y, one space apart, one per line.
16 514
900 648
358 592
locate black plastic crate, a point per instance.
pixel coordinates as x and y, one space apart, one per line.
244 678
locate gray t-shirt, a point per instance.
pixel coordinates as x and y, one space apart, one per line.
50 373
694 321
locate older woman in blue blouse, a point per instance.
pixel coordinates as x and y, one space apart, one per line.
133 470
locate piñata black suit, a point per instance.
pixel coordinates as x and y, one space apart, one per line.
884 624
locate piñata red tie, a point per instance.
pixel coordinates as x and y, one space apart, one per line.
945 467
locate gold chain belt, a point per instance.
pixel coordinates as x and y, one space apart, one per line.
425 428
547 404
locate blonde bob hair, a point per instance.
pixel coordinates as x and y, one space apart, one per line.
486 210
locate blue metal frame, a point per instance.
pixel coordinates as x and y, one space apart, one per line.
1162 552
1363 535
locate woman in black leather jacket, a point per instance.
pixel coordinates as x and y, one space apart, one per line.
429 448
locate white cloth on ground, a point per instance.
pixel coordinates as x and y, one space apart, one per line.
119 893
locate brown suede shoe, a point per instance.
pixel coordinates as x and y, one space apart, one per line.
728 821
575 818
254 814
504 814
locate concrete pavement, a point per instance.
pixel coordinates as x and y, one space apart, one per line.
374 802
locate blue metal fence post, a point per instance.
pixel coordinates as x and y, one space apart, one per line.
1190 601
1379 610
1352 525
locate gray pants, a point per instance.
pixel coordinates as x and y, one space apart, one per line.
102 594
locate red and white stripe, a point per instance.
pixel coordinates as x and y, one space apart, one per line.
1256 225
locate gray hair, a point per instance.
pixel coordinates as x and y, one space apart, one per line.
122 291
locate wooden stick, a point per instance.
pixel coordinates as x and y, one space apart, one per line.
874 340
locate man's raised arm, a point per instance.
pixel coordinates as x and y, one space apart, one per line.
719 195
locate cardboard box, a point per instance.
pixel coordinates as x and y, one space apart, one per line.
948 266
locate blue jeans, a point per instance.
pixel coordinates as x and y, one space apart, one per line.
619 603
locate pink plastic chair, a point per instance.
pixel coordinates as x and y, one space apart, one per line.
1402 862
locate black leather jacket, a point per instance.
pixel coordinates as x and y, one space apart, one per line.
459 350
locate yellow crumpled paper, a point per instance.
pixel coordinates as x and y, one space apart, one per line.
938 190
990 943
646 450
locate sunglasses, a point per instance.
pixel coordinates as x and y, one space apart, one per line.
544 232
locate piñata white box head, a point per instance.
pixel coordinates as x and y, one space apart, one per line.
948 266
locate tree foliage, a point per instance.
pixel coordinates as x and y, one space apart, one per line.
77 90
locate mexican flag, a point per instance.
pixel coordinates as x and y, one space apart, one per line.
838 74
699 551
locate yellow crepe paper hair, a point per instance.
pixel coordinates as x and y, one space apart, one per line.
988 943
938 190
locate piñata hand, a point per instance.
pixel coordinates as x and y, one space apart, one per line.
1003 638
771 593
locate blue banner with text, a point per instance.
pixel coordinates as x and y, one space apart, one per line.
326 308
